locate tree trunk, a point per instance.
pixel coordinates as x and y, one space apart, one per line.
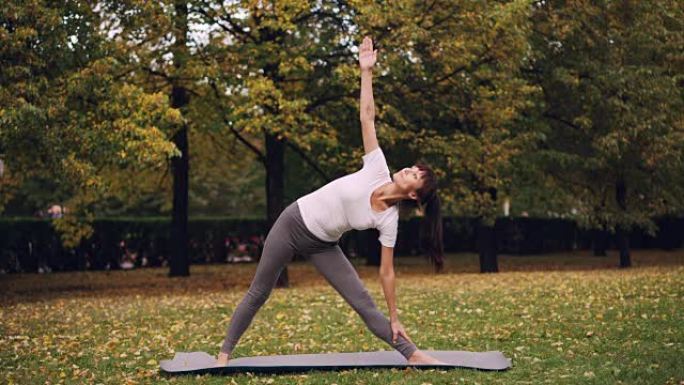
486 246
623 241
600 242
275 188
179 262
623 245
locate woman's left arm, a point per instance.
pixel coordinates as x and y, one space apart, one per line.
387 280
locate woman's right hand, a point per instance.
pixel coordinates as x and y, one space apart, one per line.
398 330
367 56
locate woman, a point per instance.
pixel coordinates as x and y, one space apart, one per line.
313 224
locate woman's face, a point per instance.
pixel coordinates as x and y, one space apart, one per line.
409 180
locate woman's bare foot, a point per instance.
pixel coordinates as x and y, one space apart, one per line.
419 357
222 359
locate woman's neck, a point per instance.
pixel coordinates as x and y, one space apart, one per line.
389 194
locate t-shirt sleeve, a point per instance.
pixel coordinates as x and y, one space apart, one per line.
375 164
388 229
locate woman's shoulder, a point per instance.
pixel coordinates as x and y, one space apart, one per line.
389 222
375 160
373 155
390 214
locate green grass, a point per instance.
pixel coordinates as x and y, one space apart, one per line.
563 319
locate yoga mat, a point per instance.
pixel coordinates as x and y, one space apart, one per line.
201 362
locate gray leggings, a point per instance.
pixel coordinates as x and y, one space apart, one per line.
288 236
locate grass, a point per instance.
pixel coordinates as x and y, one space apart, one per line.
563 319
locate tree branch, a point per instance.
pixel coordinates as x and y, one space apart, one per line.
412 89
549 115
232 27
255 150
307 160
325 99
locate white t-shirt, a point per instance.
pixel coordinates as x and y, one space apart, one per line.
344 204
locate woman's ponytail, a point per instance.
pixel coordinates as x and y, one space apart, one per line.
432 232
431 226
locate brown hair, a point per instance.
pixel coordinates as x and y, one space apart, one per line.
431 225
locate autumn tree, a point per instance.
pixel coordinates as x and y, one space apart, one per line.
278 79
65 114
266 73
612 79
164 53
451 91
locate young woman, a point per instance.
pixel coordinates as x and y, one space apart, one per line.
313 224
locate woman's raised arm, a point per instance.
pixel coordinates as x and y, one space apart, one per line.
367 58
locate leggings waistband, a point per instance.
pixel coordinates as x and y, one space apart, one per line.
294 213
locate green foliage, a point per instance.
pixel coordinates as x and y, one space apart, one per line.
560 106
65 112
611 74
281 72
451 91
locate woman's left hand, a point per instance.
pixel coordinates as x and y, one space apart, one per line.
398 330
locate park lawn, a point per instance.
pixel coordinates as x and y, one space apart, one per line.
563 319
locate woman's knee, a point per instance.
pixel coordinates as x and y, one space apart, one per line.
256 296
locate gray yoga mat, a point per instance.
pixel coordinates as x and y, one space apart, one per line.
201 362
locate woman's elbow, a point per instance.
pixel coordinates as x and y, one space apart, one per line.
386 274
367 113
